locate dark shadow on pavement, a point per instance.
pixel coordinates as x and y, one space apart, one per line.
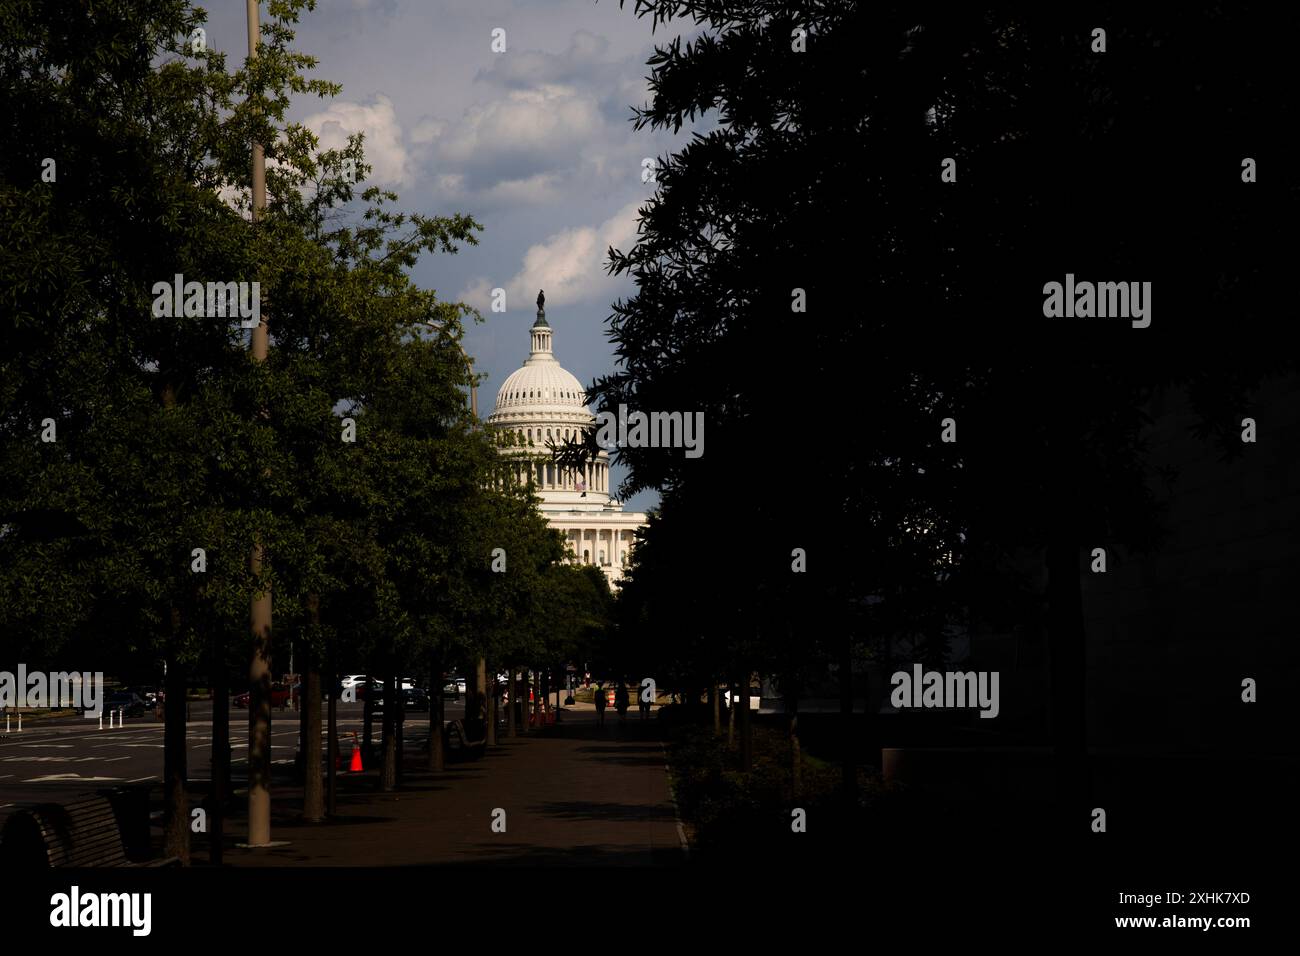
605 812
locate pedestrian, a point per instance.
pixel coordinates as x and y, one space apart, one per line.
600 705
621 701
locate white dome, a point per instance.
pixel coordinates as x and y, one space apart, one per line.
542 391
538 408
545 406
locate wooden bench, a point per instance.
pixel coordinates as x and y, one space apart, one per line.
458 744
82 832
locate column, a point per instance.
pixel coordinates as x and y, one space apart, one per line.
613 547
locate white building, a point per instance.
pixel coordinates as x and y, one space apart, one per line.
543 404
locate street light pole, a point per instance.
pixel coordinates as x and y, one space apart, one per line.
482 699
259 670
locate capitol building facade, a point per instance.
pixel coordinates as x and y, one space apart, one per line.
544 405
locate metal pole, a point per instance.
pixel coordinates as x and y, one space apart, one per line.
259 671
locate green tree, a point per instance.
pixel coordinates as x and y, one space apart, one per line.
893 300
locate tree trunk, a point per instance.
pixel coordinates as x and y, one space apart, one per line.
399 720
220 758
437 759
368 726
259 710
313 799
746 725
1068 668
512 704
332 732
176 812
796 756
715 707
388 769
521 702
300 760
731 719
480 693
848 755
176 816
491 736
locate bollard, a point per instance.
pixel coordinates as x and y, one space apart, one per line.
20 721
101 721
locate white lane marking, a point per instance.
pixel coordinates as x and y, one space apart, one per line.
139 779
54 778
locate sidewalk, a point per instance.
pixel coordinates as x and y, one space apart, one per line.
572 794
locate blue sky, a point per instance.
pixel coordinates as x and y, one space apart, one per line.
535 142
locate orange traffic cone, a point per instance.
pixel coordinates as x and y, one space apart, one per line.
356 754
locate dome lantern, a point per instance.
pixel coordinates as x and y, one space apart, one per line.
541 332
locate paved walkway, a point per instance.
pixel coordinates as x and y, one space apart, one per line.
573 794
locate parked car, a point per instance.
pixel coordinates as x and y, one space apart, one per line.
129 702
150 695
454 687
298 691
360 683
416 699
280 696
412 699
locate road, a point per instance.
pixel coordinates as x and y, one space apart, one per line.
71 753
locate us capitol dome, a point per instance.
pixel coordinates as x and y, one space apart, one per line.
544 405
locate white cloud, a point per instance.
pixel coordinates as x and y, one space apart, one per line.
530 191
383 144
427 130
544 122
583 63
570 265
